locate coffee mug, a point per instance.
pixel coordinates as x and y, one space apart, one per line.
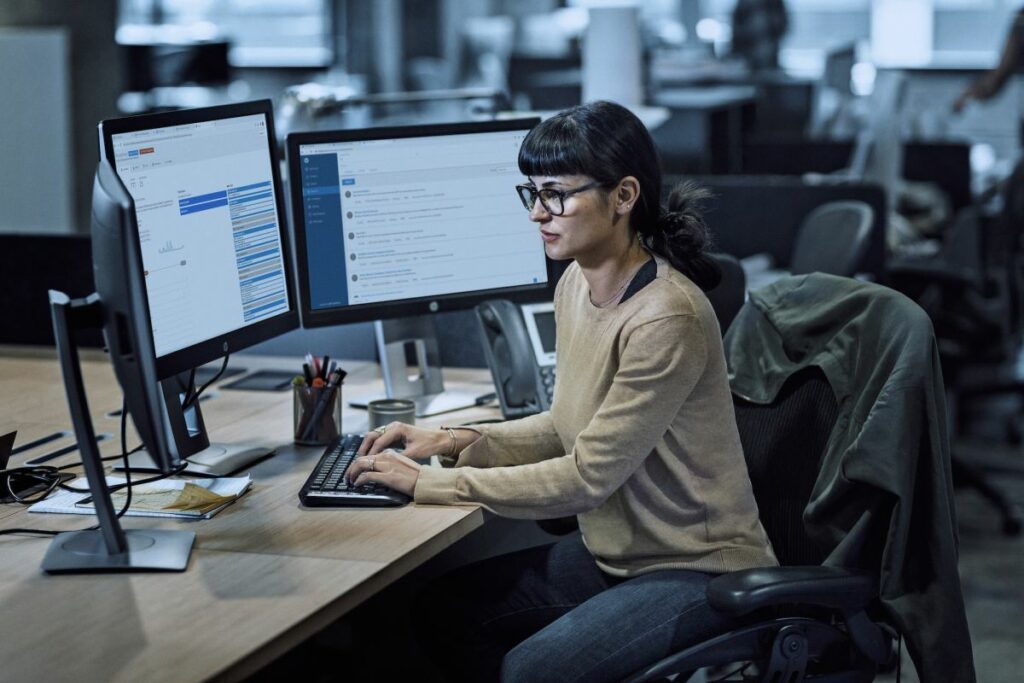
387 410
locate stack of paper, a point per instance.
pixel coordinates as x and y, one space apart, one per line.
186 499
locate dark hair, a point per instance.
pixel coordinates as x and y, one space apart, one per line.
607 142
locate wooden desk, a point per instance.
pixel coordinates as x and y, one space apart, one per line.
265 573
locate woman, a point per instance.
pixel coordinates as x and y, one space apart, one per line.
991 83
640 443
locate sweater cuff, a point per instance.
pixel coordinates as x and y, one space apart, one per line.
436 486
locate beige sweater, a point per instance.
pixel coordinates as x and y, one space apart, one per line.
640 443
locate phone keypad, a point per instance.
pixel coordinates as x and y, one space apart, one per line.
547 378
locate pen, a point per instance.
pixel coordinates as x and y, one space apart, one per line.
325 398
323 367
307 373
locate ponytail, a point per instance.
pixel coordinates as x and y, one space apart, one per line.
681 236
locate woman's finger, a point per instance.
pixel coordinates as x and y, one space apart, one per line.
368 439
359 465
392 433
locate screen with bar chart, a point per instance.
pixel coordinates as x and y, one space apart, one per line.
208 226
209 222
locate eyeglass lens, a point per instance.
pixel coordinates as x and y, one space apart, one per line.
551 200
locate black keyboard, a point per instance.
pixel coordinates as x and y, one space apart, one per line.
326 486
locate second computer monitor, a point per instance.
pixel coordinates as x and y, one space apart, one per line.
400 222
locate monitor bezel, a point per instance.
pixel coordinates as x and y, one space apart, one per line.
213 348
405 307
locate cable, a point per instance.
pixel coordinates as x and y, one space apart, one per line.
55 471
192 396
124 458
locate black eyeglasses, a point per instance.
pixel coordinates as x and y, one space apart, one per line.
553 201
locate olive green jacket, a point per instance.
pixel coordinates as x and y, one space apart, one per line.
884 497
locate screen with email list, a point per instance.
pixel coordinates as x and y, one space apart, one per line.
209 229
402 218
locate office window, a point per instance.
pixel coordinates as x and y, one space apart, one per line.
262 32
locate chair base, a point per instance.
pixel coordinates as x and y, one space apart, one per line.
798 649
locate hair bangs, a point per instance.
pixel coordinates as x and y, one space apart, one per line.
553 149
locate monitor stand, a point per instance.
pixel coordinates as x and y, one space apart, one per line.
219 460
410 344
188 430
108 548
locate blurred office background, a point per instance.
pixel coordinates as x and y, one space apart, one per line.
859 95
330 63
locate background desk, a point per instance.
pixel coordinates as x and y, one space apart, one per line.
265 574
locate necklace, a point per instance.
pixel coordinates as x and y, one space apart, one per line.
622 288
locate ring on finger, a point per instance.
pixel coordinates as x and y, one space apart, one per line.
381 429
373 463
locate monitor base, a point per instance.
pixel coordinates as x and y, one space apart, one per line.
152 550
431 404
219 460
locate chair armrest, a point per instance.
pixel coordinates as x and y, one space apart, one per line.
741 592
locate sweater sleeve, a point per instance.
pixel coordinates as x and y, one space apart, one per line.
515 442
661 363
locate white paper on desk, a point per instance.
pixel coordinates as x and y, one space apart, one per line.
64 502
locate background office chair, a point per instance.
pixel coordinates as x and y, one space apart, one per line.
852 506
833 239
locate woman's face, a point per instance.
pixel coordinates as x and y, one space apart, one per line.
585 229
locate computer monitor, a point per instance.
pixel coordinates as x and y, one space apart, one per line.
215 257
394 224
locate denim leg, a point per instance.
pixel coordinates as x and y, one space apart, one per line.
469 619
623 628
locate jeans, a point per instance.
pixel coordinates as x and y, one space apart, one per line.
550 614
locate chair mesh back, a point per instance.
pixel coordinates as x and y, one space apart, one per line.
833 239
727 298
783 443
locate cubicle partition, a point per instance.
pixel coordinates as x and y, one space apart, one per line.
946 164
31 264
761 214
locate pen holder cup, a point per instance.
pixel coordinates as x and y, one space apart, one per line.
321 405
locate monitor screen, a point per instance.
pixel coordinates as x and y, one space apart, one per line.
210 228
399 221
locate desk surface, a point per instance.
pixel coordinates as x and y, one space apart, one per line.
265 573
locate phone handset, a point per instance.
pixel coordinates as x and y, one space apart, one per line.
510 355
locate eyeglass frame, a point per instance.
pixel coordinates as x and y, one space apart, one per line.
562 195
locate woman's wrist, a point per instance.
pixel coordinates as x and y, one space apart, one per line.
457 439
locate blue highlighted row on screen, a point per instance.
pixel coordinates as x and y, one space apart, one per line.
214 200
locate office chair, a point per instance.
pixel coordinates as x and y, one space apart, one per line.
784 613
727 298
833 239
842 492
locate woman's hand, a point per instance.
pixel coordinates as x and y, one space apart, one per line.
389 468
415 442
